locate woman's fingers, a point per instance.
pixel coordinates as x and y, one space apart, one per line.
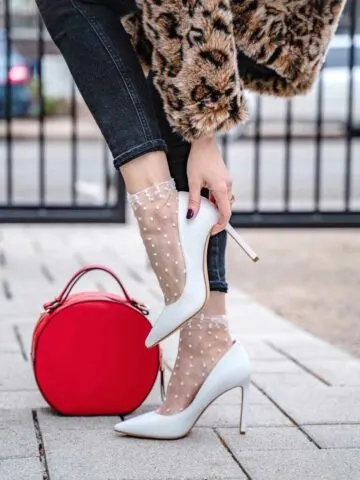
206 168
222 201
194 198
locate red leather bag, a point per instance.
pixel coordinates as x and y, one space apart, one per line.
88 351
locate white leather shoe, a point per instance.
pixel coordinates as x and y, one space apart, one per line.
233 370
194 237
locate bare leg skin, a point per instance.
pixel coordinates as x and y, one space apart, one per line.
145 171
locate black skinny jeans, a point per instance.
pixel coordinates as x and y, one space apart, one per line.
126 106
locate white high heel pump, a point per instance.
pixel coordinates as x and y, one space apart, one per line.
233 370
194 238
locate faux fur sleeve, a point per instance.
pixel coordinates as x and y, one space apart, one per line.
133 26
194 64
288 37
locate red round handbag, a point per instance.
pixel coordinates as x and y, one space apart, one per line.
88 351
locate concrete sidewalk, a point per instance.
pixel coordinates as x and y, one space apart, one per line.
305 416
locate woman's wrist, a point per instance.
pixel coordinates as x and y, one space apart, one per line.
204 140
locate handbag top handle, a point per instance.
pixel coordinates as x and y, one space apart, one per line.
78 275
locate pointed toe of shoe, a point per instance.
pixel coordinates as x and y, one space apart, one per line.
155 426
143 426
135 427
151 339
163 327
174 315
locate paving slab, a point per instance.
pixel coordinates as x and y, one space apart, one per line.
335 436
310 348
199 456
275 367
26 332
9 348
229 416
8 343
16 373
286 380
259 350
21 399
17 434
336 372
251 318
50 421
266 438
301 464
319 405
21 469
12 308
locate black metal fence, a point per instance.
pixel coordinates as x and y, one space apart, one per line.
43 157
297 163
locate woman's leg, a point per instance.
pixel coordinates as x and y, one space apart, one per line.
206 337
107 72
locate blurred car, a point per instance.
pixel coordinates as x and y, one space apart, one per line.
19 76
335 87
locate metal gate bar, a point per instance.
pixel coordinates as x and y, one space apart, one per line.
8 96
296 219
349 136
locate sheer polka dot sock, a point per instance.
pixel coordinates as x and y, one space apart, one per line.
203 341
156 210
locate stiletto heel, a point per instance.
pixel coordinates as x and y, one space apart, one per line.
244 409
241 242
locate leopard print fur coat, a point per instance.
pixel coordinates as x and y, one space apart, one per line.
203 53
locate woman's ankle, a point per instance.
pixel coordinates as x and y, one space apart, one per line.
216 305
145 171
204 340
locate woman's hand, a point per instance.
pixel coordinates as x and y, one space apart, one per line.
206 169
